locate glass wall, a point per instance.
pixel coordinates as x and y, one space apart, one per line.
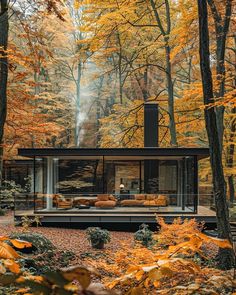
122 177
116 183
79 176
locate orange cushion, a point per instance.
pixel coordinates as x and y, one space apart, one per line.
92 202
151 197
140 197
103 197
149 203
161 197
131 202
111 198
105 204
163 201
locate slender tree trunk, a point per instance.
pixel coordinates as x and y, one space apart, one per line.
226 257
231 188
170 87
77 104
120 78
98 111
231 148
230 157
3 73
221 31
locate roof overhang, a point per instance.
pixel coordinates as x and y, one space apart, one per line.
145 152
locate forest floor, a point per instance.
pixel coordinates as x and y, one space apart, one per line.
74 240
202 278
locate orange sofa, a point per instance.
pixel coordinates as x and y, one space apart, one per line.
147 200
84 201
105 201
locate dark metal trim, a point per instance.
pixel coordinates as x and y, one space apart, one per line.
34 184
173 151
103 175
195 184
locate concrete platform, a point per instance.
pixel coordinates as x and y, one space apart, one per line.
126 216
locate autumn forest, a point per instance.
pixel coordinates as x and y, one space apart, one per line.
77 73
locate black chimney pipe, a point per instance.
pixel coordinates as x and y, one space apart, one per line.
151 167
151 125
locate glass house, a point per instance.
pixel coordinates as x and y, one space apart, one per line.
115 179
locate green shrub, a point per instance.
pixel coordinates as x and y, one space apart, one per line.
144 235
40 244
98 237
45 255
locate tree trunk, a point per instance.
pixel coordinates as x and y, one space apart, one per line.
231 188
230 156
221 31
170 87
226 256
77 104
3 73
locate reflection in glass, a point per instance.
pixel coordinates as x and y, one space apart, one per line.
79 176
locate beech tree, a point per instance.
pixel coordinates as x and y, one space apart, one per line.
226 256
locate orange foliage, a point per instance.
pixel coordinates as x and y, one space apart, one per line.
176 232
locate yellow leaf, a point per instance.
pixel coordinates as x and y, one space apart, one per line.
7 252
3 238
146 283
222 243
81 274
22 290
12 265
133 268
139 275
113 284
136 291
71 287
156 284
22 279
155 274
20 244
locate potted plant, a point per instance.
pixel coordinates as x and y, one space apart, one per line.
144 236
98 237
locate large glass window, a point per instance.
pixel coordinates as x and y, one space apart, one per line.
168 176
20 171
40 174
122 177
79 176
115 183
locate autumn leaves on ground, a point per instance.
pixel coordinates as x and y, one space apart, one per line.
177 259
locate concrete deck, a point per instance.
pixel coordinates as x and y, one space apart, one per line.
126 215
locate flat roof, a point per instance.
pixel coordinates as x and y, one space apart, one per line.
152 151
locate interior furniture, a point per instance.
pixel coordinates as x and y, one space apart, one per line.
105 201
61 202
39 201
78 201
147 200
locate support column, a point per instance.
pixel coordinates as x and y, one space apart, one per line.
49 201
195 187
